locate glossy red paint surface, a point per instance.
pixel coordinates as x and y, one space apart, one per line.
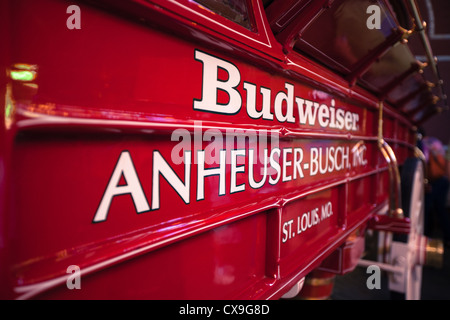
121 85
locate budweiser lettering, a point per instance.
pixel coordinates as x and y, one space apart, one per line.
308 112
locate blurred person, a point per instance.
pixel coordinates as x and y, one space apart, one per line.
448 175
437 188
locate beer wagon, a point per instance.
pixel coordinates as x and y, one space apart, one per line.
211 149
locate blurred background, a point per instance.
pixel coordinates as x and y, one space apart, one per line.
435 281
436 13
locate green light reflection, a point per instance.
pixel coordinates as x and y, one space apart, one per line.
23 75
